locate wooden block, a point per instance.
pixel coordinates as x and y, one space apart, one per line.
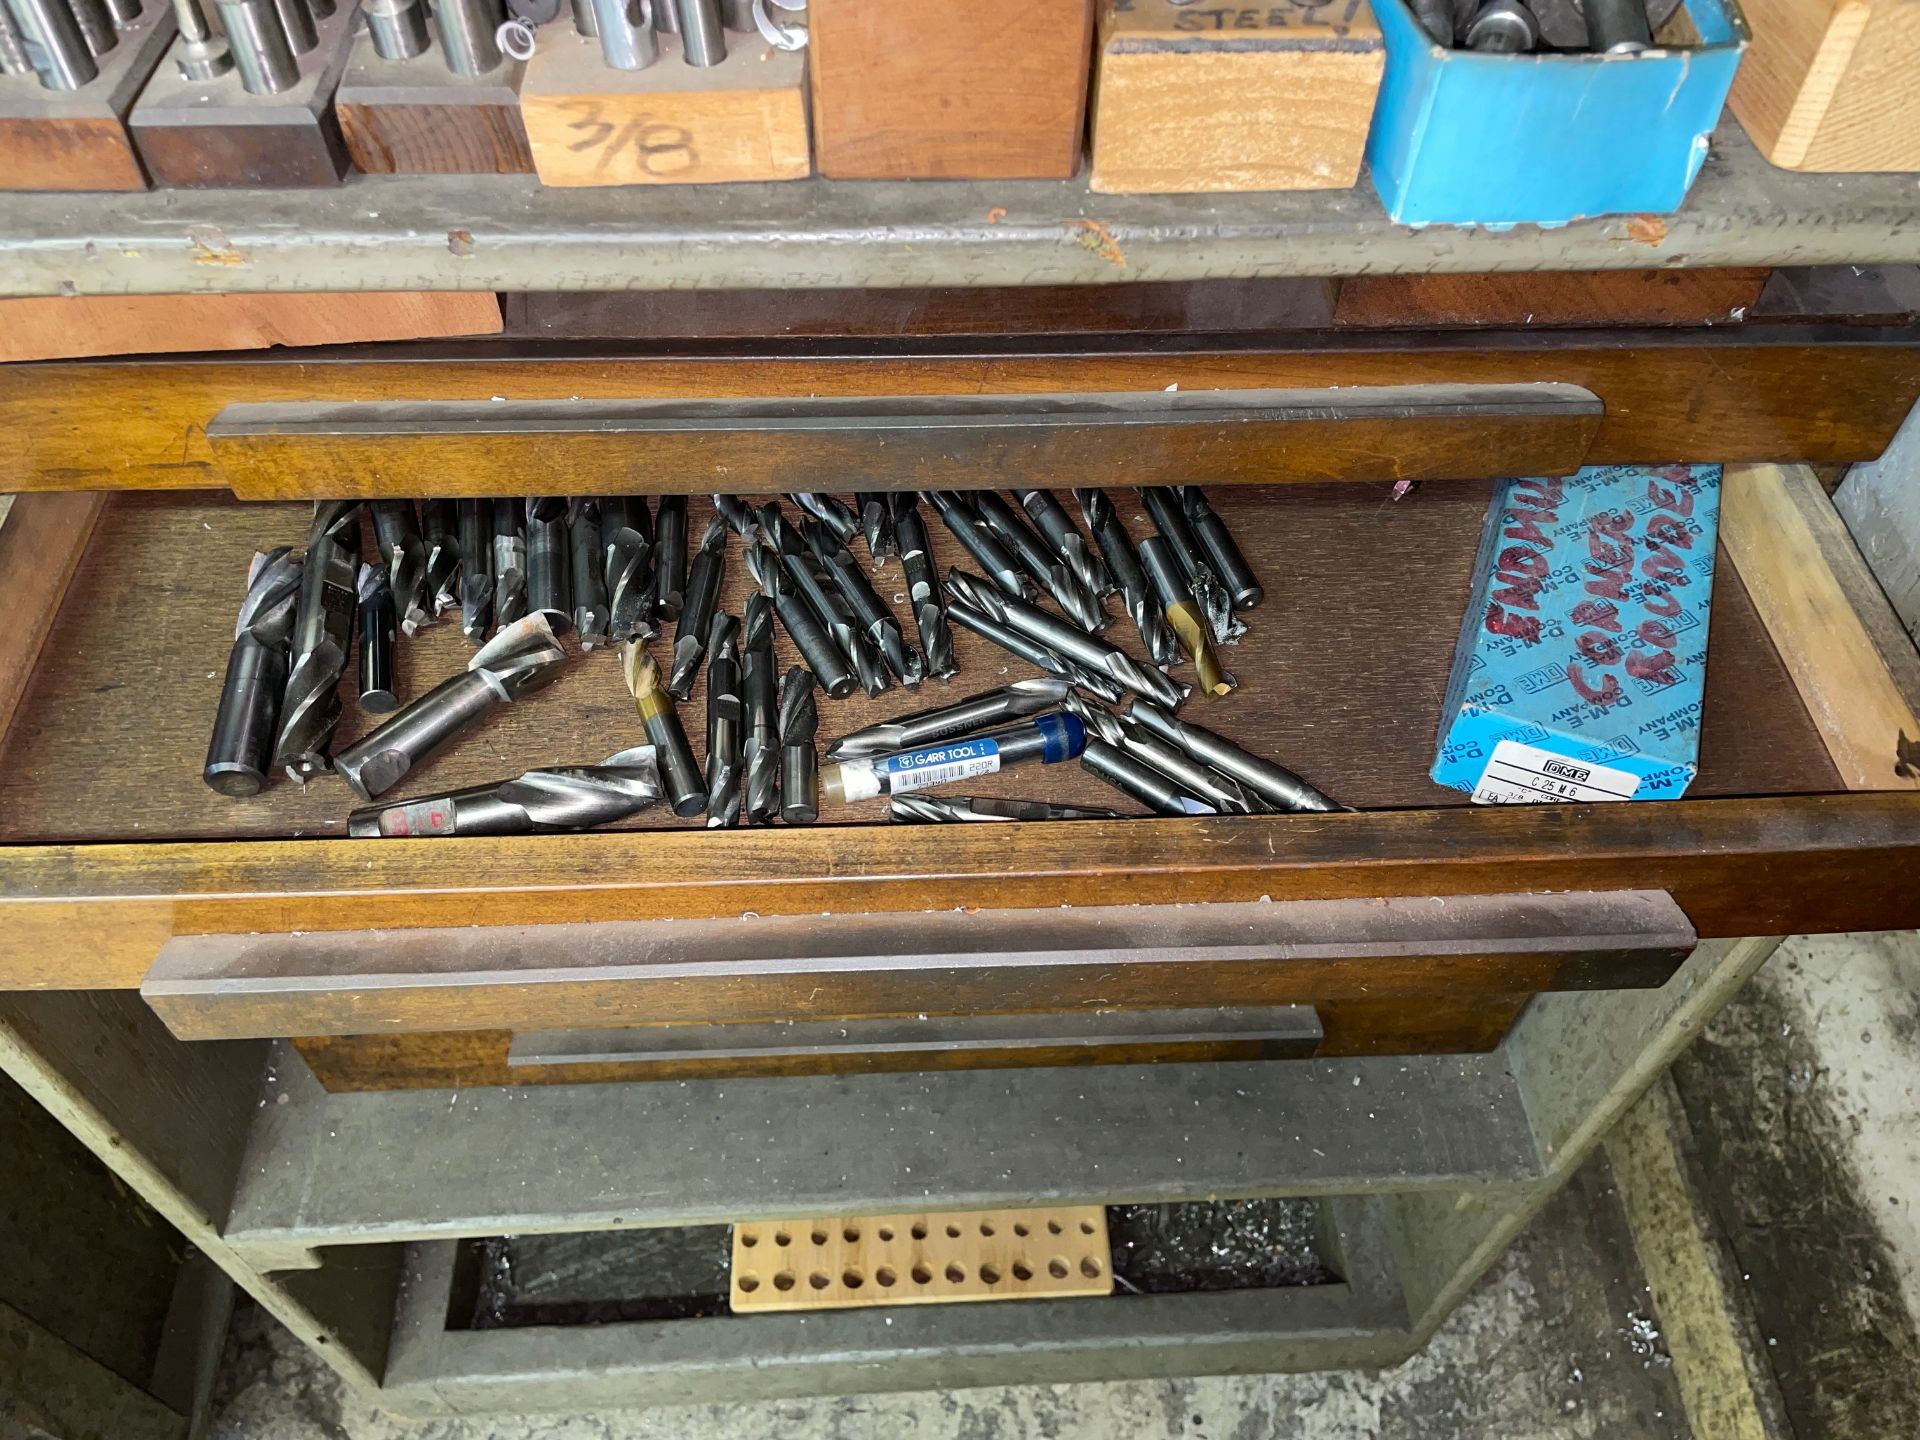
1273 97
61 327
77 139
42 538
416 117
1598 297
1851 661
837 1263
921 89
1828 86
670 124
214 135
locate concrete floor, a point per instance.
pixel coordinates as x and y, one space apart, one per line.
1742 1260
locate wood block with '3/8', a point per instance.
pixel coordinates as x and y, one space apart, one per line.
1276 96
928 89
670 124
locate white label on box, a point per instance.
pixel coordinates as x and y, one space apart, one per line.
1527 775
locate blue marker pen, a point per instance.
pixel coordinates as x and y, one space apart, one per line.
1047 738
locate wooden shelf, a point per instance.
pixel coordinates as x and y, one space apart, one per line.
468 232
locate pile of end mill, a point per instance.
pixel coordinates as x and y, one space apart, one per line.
628 31
1522 27
61 41
537 583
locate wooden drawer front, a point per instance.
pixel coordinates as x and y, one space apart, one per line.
942 963
1788 392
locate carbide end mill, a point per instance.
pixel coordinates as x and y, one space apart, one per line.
923 587
1051 519
555 798
670 554
1123 562
1060 635
692 633
1047 569
476 568
240 751
377 612
759 694
977 712
685 789
831 511
726 722
876 521
521 658
626 533
957 513
509 562
322 636
803 624
591 613
870 612
799 761
440 527
405 554
824 596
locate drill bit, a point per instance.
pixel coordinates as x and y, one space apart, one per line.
1034 653
803 624
626 539
827 601
1229 566
1123 564
440 525
1183 616
377 612
1222 793
521 658
692 632
962 717
509 562
923 587
670 556
548 585
405 554
591 613
958 515
322 635
240 751
876 519
870 612
1048 570
476 567
832 512
1145 784
799 764
1059 635
759 695
685 789
940 809
1272 782
1171 521
726 722
555 798
1067 543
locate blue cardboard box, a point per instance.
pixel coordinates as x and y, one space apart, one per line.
1462 138
1583 654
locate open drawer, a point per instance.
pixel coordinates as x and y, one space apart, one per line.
113 848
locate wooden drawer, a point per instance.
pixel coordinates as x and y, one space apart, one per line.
110 845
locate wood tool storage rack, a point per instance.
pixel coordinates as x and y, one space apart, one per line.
1452 1090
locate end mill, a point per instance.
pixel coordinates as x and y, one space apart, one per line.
554 798
803 624
1229 565
670 555
322 635
377 620
923 587
548 551
591 613
440 527
799 762
509 561
1184 617
876 520
692 633
1123 563
831 511
626 535
686 791
726 722
240 752
521 658
405 554
476 568
759 695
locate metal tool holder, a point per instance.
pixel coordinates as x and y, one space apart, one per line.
259 115
69 65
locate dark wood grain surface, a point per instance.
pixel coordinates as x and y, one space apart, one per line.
1342 674
451 139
